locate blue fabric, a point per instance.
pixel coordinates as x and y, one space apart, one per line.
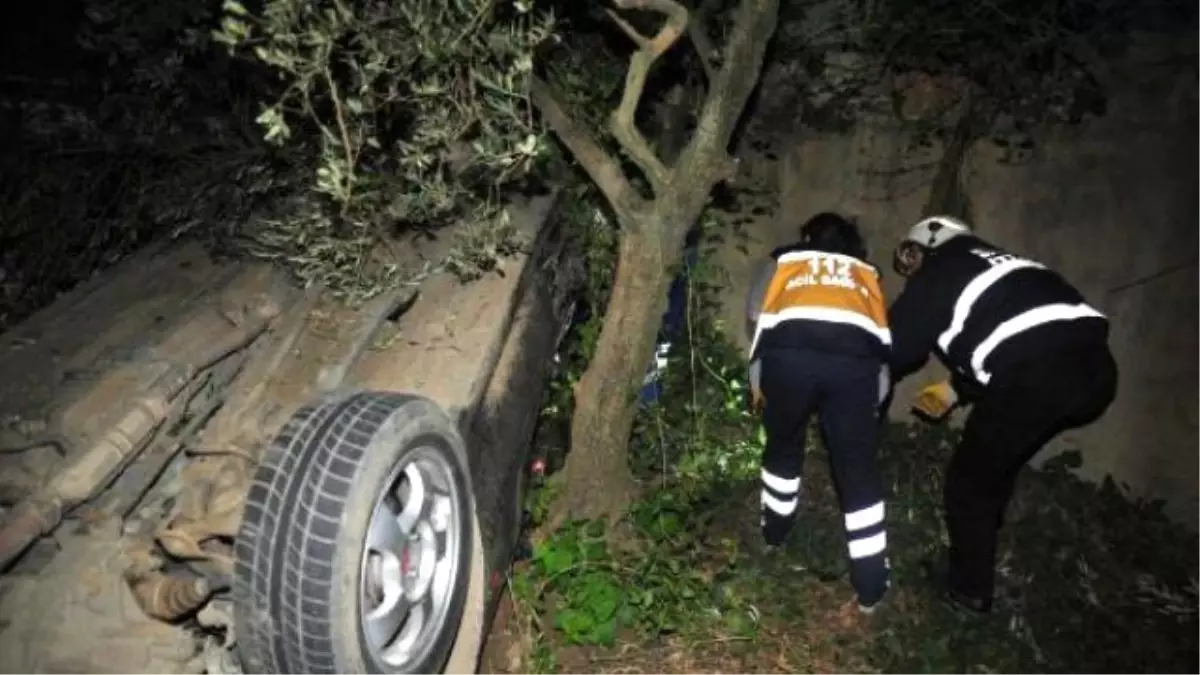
672 325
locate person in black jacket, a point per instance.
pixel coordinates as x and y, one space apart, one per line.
1024 348
820 345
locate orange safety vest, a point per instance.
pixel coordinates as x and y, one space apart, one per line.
823 291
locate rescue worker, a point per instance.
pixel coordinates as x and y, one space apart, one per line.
819 345
1024 348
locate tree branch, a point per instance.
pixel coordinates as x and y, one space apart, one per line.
599 165
698 34
728 92
704 48
622 123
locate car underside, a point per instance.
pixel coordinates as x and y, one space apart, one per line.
204 468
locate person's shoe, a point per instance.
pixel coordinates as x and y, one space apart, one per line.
856 616
870 609
774 530
937 574
877 610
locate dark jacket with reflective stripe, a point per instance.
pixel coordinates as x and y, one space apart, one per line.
982 309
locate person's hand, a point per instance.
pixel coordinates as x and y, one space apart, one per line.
754 380
935 401
756 400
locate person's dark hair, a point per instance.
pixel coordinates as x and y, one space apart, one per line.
832 233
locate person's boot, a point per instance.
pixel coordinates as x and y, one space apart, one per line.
773 532
774 528
876 608
872 582
937 573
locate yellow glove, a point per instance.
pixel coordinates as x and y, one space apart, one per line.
936 401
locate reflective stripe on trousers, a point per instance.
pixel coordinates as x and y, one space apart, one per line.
846 390
865 533
780 495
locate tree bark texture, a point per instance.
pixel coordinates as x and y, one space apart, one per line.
596 477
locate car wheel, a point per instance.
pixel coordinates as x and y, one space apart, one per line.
355 546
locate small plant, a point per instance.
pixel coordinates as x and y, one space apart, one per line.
576 563
590 589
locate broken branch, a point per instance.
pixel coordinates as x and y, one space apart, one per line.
622 124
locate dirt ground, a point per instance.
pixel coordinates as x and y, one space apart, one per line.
1069 594
813 630
822 642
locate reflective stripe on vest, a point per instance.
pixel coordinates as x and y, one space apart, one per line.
828 287
1020 323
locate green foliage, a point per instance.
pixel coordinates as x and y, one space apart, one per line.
413 114
587 77
1083 567
588 614
581 587
696 435
576 577
590 594
384 119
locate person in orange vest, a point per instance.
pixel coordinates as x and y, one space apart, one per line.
820 345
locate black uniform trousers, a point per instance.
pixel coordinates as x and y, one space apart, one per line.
1020 410
844 392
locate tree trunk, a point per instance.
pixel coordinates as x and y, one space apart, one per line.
596 476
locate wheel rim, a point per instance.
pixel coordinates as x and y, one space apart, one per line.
410 562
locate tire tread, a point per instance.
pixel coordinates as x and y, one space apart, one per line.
285 576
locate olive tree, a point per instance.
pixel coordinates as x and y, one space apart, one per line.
653 226
420 112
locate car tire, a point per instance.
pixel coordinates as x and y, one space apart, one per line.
361 508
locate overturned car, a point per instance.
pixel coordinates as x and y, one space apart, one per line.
206 469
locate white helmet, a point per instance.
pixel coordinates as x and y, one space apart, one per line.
934 231
923 237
